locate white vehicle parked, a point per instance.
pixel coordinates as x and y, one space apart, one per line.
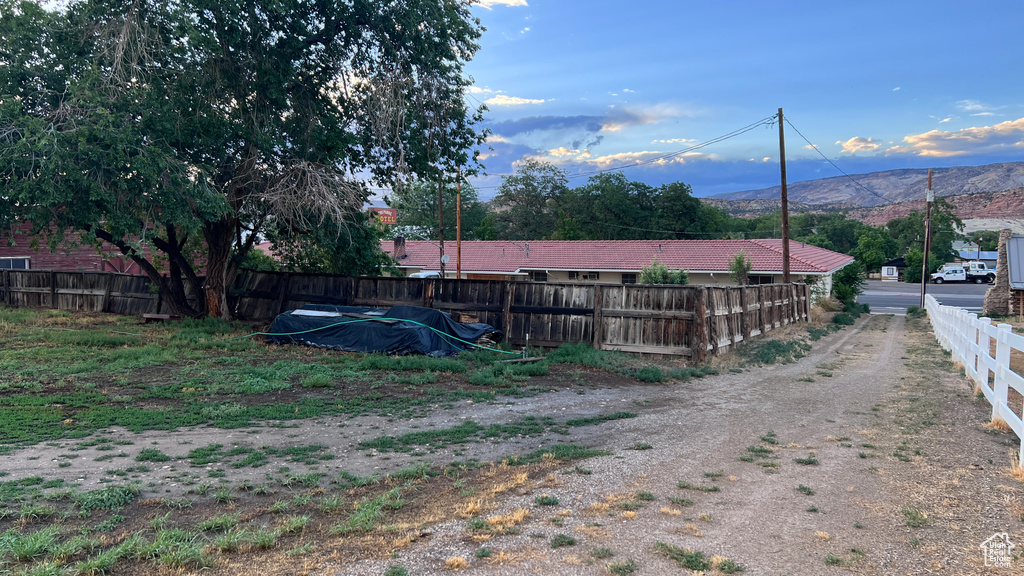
978 273
950 274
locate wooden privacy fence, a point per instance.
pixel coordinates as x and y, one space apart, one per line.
969 339
689 321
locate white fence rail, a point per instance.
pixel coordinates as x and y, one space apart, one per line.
969 339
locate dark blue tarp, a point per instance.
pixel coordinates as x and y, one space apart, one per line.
397 330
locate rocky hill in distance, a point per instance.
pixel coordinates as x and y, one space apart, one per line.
987 197
892 186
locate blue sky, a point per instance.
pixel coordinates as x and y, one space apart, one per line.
874 85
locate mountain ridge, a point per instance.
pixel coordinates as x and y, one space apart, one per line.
890 186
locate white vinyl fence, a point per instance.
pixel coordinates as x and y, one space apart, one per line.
969 340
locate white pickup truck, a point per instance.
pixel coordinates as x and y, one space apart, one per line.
975 272
950 273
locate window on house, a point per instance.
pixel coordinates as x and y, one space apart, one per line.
539 276
13 263
757 279
574 275
629 278
592 276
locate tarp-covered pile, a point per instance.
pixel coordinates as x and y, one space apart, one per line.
396 330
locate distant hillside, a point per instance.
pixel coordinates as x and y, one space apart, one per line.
890 186
980 211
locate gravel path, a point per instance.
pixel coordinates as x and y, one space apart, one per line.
893 431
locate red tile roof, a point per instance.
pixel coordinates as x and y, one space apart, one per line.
503 256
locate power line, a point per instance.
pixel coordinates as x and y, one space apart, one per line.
739 131
841 171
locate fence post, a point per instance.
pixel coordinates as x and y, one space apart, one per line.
597 330
699 341
282 292
53 289
506 310
428 293
984 347
1001 387
971 349
107 287
7 287
744 323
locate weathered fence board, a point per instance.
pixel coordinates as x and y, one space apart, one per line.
690 321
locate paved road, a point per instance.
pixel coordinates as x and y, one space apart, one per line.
895 297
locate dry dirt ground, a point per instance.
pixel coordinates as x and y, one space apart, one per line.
897 435
867 456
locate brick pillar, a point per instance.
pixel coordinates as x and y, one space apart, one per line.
997 298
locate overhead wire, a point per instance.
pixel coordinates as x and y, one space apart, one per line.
661 157
834 165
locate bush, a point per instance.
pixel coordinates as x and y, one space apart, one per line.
650 374
843 319
658 273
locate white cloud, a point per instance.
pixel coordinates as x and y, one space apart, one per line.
674 141
970 105
859 144
564 156
766 159
524 30
478 90
1001 137
497 139
811 147
562 152
490 4
504 100
976 108
896 89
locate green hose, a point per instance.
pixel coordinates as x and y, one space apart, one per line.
442 334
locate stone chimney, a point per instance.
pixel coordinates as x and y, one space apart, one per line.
997 298
399 252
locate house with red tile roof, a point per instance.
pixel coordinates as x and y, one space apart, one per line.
615 261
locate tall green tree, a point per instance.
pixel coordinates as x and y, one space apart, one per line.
416 204
524 205
612 207
946 227
201 124
680 215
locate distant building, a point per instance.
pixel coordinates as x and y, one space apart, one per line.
20 250
892 270
988 257
616 261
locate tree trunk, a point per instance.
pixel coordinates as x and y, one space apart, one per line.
171 293
219 238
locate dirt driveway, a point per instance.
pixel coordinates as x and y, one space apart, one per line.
866 456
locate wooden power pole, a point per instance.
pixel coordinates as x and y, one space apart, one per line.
929 197
458 227
785 203
440 220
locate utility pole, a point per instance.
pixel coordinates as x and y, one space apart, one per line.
785 202
440 220
458 227
929 197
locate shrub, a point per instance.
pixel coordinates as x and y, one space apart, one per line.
650 374
843 319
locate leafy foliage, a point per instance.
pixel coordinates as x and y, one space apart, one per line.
739 268
417 209
658 273
180 133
